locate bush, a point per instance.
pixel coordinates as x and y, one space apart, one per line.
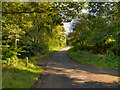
88 57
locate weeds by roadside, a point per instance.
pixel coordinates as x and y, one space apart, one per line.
20 76
99 60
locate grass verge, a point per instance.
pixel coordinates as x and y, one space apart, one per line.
20 76
98 60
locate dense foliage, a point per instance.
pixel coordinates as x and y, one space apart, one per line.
27 30
99 30
32 27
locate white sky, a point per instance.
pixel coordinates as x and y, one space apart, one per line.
68 25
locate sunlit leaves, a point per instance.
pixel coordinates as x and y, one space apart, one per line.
34 24
100 28
13 30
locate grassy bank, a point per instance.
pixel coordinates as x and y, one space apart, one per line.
98 60
20 76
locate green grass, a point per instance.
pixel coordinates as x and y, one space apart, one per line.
21 76
98 60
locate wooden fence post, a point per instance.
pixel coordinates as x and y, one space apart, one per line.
15 43
26 61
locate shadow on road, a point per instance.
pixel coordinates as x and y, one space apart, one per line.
80 66
63 72
72 83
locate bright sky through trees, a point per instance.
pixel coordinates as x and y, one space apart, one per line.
68 25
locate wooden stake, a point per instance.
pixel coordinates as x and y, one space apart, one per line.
15 43
26 61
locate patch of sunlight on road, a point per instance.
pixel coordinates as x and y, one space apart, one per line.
81 76
65 49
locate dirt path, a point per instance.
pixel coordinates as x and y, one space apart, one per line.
62 72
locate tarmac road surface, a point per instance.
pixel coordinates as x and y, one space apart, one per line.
63 72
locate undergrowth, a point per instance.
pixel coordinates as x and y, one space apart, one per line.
17 75
99 60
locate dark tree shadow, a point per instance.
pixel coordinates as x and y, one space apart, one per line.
70 83
82 66
55 62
